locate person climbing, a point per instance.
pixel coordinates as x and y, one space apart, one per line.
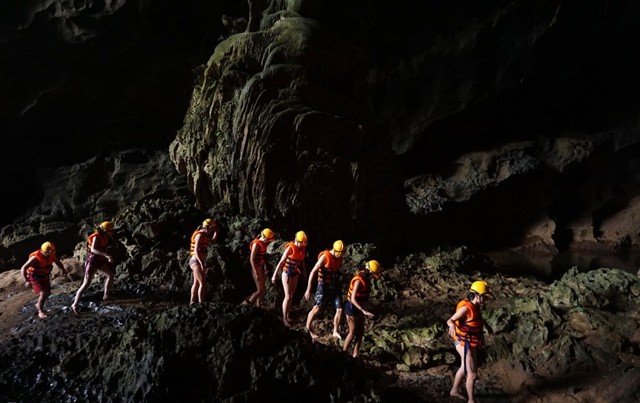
466 329
358 294
205 235
328 269
97 259
258 261
37 271
292 264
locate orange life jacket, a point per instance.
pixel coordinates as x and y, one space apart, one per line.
469 329
294 258
328 273
202 245
101 243
42 266
363 290
261 251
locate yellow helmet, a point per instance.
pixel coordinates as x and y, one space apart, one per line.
338 248
107 226
48 247
208 223
374 267
481 288
267 233
301 236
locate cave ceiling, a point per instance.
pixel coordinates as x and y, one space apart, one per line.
408 124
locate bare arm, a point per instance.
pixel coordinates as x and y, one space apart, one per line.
354 301
99 252
60 265
196 246
451 322
252 257
279 265
315 269
23 269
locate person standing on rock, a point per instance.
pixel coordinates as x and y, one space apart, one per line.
466 328
358 295
97 259
258 261
37 271
292 264
205 235
328 270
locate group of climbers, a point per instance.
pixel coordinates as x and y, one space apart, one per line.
466 325
37 269
326 274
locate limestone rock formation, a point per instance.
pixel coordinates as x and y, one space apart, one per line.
211 352
390 126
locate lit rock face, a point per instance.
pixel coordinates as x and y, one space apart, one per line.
276 129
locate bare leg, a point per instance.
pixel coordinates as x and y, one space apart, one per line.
256 297
197 289
359 319
289 284
471 375
86 282
336 323
351 321
310 316
108 282
457 380
40 304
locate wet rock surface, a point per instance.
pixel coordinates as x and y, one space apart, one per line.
146 344
207 352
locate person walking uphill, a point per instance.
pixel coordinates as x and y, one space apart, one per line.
258 261
201 238
328 270
36 272
358 295
466 327
97 259
292 264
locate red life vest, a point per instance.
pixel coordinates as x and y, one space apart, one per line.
202 245
295 258
261 251
328 273
42 266
469 329
363 290
101 243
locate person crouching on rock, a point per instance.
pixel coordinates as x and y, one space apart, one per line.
258 261
97 259
36 272
358 294
292 263
466 327
201 238
328 270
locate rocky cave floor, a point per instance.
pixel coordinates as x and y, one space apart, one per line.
500 380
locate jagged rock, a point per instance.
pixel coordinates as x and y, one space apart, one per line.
212 352
603 288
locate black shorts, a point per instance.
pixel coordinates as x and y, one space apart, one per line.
327 292
351 310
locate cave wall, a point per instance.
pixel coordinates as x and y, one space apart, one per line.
460 123
408 124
